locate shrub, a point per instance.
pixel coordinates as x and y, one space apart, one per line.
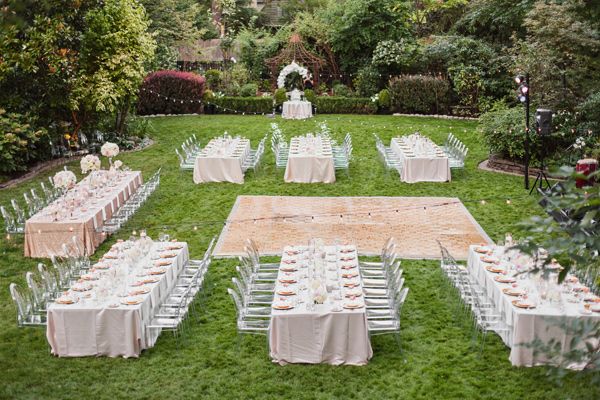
367 81
280 96
234 79
384 100
589 112
19 142
249 90
171 92
504 132
345 105
236 105
310 95
419 94
213 79
341 90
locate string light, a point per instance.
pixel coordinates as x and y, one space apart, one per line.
369 214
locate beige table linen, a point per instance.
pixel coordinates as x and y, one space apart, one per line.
45 237
422 167
221 161
321 335
90 328
310 165
296 109
525 325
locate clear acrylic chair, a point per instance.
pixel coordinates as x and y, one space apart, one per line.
25 314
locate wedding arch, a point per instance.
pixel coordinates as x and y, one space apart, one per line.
288 69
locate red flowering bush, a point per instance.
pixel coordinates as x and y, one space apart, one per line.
171 92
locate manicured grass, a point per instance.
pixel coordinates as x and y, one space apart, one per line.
437 361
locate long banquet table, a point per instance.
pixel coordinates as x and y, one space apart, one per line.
334 332
310 160
221 161
525 324
107 325
422 160
46 231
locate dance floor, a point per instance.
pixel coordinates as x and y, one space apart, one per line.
415 222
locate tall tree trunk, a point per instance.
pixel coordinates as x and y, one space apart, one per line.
122 117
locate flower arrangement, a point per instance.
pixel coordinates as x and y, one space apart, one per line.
319 295
90 163
288 69
64 179
118 164
109 149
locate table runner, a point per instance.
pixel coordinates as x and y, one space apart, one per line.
310 160
44 236
221 161
525 325
322 335
296 109
429 165
91 328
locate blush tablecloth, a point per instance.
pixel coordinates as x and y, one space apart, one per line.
90 328
417 167
308 164
45 237
320 335
221 161
525 325
296 109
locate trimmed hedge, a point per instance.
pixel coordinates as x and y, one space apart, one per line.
419 94
227 105
160 88
324 104
345 105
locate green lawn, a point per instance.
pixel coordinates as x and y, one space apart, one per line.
437 361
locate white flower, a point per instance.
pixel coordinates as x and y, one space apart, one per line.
64 179
288 69
375 98
109 149
118 164
579 143
89 163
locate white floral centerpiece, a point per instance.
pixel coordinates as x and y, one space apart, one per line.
288 69
89 163
109 150
319 295
118 164
64 179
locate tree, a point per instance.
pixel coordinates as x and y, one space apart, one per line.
114 49
175 22
429 15
357 26
561 52
39 55
494 20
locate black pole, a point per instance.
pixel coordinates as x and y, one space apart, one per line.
527 132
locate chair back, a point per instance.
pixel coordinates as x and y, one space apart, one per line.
21 302
239 308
